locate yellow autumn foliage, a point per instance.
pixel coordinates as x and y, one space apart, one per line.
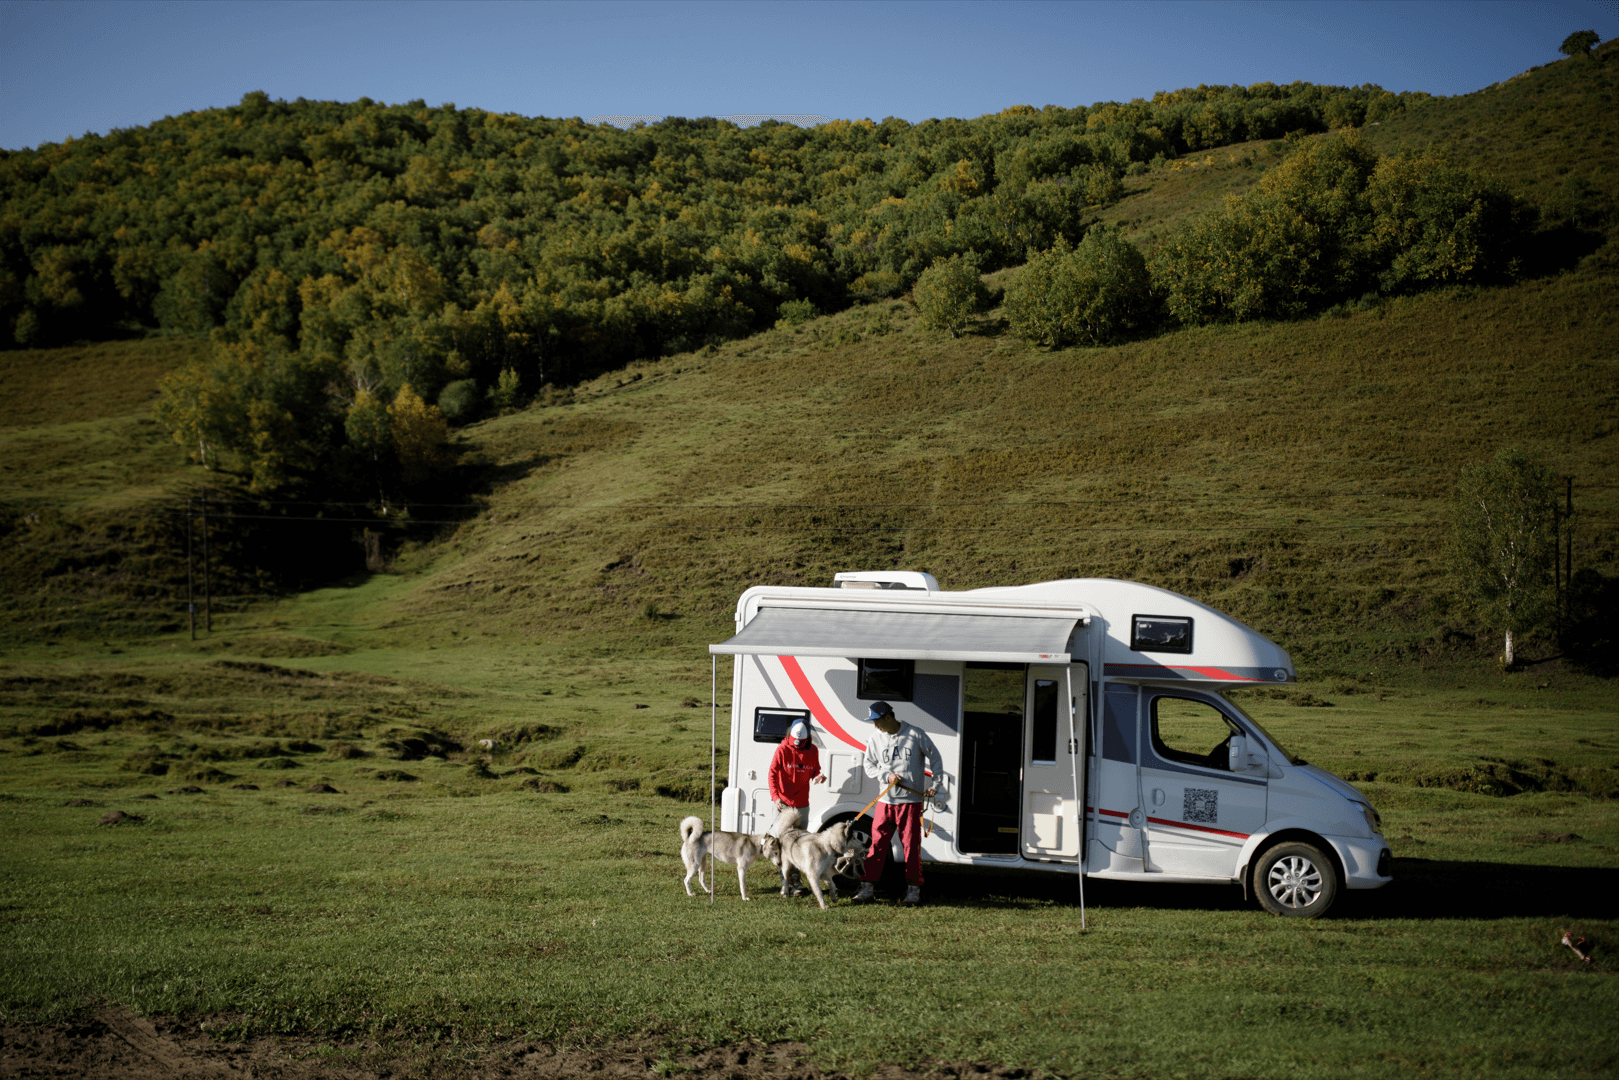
420 433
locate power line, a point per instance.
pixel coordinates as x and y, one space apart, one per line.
173 503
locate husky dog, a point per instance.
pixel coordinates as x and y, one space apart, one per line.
728 847
819 856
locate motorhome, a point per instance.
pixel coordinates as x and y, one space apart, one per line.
1042 699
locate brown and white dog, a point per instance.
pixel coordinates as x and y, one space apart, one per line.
728 847
819 856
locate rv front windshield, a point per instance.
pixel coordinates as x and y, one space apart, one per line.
1291 758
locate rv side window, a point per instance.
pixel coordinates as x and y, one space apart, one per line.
1119 724
1160 633
1191 732
886 680
771 725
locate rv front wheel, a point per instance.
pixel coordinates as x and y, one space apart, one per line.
1296 880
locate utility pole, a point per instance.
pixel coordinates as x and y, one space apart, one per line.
191 606
1568 516
207 576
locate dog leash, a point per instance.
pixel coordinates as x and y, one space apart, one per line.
873 802
932 806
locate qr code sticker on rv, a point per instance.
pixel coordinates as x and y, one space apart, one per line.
1201 804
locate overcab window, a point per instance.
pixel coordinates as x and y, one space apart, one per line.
887 680
1160 633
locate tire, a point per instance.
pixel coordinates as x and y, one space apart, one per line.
1296 880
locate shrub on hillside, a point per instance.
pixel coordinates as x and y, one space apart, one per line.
950 292
460 400
1332 222
796 312
1093 293
875 285
1434 223
1297 240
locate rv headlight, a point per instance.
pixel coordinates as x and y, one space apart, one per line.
1373 821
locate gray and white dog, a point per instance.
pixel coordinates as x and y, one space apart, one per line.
728 847
819 856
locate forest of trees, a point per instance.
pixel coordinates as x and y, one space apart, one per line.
370 272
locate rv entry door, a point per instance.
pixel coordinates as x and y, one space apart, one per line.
992 741
1052 822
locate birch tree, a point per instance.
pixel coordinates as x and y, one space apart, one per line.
1503 543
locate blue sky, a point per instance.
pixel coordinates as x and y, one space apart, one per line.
71 67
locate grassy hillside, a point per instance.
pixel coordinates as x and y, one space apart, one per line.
1292 473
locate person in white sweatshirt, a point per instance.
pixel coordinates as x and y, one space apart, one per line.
904 760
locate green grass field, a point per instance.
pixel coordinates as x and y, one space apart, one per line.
534 892
1292 474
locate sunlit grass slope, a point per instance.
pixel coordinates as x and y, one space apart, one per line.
1293 474
76 427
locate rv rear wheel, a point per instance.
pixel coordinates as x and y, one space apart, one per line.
1296 880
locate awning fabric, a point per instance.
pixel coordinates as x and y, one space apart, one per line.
902 635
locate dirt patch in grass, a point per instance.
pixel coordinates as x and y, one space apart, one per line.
117 1045
279 646
118 817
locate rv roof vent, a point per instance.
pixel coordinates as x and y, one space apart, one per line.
886 579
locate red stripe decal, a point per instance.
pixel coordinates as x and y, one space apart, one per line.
1197 828
812 701
1219 674
1115 813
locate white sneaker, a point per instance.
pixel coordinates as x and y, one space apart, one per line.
913 895
867 893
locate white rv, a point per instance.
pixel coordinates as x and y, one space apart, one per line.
1042 699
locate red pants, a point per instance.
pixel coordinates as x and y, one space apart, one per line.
907 818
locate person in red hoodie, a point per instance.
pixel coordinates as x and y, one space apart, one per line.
795 765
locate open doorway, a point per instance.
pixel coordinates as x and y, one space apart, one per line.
991 758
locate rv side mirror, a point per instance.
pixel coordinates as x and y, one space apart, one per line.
1246 758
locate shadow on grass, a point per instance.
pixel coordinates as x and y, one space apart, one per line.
1422 889
1552 251
1430 889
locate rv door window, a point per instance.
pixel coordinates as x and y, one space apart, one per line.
772 725
1043 748
886 680
1191 732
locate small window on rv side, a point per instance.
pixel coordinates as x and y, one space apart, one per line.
1160 633
1191 732
772 725
887 680
1119 723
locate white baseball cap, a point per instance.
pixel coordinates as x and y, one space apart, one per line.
799 730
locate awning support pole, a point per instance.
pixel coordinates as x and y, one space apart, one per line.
1079 803
713 742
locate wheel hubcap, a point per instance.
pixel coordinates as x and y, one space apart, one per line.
1294 881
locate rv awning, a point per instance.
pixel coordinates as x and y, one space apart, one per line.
903 635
